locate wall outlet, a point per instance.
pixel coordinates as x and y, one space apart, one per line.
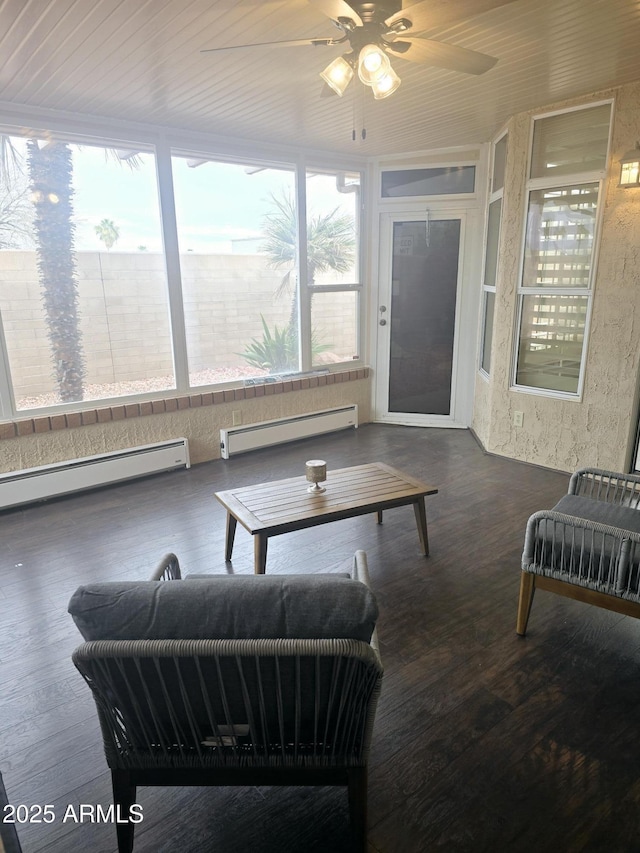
237 418
518 419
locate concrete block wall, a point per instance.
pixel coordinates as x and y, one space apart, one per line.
125 322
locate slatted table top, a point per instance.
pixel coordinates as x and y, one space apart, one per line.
349 491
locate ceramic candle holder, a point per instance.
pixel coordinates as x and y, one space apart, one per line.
316 473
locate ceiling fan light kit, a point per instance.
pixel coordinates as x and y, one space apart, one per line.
338 74
374 70
373 62
385 85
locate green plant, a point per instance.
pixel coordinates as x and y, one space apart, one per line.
277 351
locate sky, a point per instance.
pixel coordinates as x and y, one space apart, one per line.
217 204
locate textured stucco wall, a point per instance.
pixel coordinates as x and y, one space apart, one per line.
599 429
200 425
482 410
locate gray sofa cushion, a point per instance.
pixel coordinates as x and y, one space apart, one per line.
227 607
614 515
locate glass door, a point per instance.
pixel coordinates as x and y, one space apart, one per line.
418 319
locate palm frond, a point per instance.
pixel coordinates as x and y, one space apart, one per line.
330 239
12 162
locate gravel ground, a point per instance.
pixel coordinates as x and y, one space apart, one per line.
211 376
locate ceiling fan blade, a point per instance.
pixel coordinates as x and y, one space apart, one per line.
336 9
442 55
436 13
319 42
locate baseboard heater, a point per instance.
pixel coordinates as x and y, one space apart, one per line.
253 436
60 478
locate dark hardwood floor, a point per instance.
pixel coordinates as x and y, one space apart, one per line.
483 742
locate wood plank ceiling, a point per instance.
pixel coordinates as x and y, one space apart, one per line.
140 60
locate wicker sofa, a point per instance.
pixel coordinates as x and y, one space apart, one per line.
233 680
587 547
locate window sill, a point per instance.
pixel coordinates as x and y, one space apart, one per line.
71 420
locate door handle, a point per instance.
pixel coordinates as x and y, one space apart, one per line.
383 322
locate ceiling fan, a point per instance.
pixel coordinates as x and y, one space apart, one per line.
374 31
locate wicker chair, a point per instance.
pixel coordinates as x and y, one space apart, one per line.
168 569
269 710
587 547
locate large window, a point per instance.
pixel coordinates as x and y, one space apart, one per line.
235 225
494 219
569 156
121 276
83 294
246 303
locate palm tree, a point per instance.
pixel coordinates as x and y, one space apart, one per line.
330 245
108 232
50 171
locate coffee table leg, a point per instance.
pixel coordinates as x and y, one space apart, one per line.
260 553
231 535
421 521
379 514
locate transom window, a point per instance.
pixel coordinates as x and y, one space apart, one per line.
441 180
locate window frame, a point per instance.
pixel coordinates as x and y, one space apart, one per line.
564 181
492 197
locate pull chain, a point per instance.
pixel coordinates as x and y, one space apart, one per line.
363 131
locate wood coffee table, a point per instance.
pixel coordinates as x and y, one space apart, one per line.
269 509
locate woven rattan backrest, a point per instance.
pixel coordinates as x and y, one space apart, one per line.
204 702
